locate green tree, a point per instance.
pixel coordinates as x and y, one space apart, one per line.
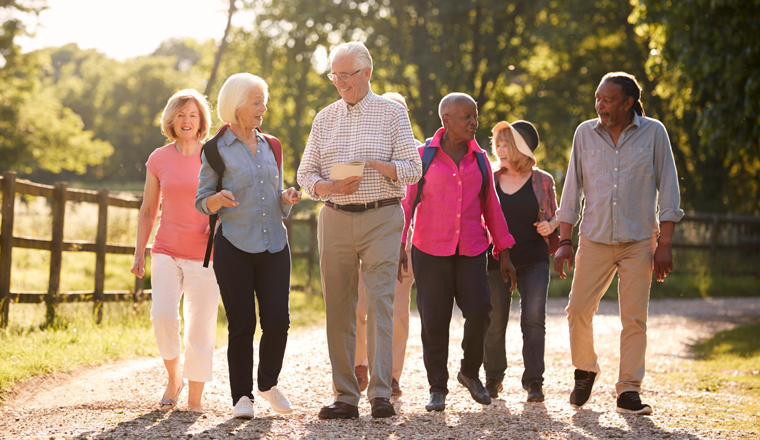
36 130
707 57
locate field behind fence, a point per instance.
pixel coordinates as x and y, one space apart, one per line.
63 245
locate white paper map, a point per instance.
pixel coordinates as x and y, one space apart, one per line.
342 171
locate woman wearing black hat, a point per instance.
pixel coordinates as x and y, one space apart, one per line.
528 200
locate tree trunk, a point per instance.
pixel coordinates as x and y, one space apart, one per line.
222 46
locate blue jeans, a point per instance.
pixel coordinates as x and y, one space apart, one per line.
533 285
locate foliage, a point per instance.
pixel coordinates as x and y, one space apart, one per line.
706 56
36 129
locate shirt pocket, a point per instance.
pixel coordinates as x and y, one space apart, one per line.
593 162
240 179
642 162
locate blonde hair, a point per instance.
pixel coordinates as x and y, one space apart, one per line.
176 103
393 96
234 94
518 162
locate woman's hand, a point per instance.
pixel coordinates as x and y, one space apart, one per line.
508 272
403 264
544 228
138 268
222 198
290 196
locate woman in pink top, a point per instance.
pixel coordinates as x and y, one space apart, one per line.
449 247
178 250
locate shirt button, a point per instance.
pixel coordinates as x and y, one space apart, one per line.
614 203
258 166
459 183
615 185
616 152
457 232
262 198
615 169
459 215
262 181
265 230
454 174
460 200
264 214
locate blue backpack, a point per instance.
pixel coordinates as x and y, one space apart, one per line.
427 157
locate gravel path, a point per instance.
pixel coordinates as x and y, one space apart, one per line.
118 400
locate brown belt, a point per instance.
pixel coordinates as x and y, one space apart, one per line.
361 207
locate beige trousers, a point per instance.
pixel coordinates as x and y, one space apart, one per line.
401 302
595 267
345 238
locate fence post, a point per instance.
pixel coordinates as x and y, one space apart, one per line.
713 242
56 250
312 243
9 201
100 254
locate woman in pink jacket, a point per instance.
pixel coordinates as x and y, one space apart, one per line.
449 246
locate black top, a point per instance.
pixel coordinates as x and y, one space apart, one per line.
521 211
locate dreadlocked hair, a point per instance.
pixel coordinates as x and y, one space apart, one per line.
630 87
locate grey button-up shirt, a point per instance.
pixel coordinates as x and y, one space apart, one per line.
255 225
627 189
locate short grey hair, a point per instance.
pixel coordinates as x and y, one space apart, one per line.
451 99
393 96
357 49
234 94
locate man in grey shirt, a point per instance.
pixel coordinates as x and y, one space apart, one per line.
622 165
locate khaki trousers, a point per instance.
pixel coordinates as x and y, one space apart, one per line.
595 267
401 303
345 238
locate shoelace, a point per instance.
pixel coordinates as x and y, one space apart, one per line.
633 398
581 383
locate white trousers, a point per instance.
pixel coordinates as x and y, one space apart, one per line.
170 278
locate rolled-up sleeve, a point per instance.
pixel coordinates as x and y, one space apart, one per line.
572 193
666 175
207 180
405 156
309 170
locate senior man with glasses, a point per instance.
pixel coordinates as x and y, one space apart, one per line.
362 220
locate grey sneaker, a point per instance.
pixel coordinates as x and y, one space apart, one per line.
630 403
584 382
437 402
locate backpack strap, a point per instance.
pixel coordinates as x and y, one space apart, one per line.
427 157
484 168
276 147
211 150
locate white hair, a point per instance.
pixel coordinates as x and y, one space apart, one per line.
234 94
362 58
451 99
393 96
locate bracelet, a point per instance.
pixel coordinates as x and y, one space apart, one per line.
566 241
565 244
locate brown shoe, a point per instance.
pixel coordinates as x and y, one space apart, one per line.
395 389
382 408
339 410
361 372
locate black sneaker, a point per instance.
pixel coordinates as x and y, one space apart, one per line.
535 392
494 387
584 382
630 403
437 402
476 388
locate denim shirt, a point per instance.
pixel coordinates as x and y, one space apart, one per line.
628 188
255 225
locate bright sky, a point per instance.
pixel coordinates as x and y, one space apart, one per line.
127 28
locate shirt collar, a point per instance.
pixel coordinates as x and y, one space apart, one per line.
436 142
636 123
361 106
228 137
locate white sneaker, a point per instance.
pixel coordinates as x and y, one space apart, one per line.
243 409
278 400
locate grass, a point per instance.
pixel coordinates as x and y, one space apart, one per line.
724 377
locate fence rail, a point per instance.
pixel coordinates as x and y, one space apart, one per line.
60 195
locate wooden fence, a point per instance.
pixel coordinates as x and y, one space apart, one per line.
60 195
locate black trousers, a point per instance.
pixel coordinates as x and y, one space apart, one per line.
241 276
440 281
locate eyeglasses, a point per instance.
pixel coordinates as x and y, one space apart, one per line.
342 76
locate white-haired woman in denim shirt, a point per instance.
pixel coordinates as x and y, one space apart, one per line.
251 253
